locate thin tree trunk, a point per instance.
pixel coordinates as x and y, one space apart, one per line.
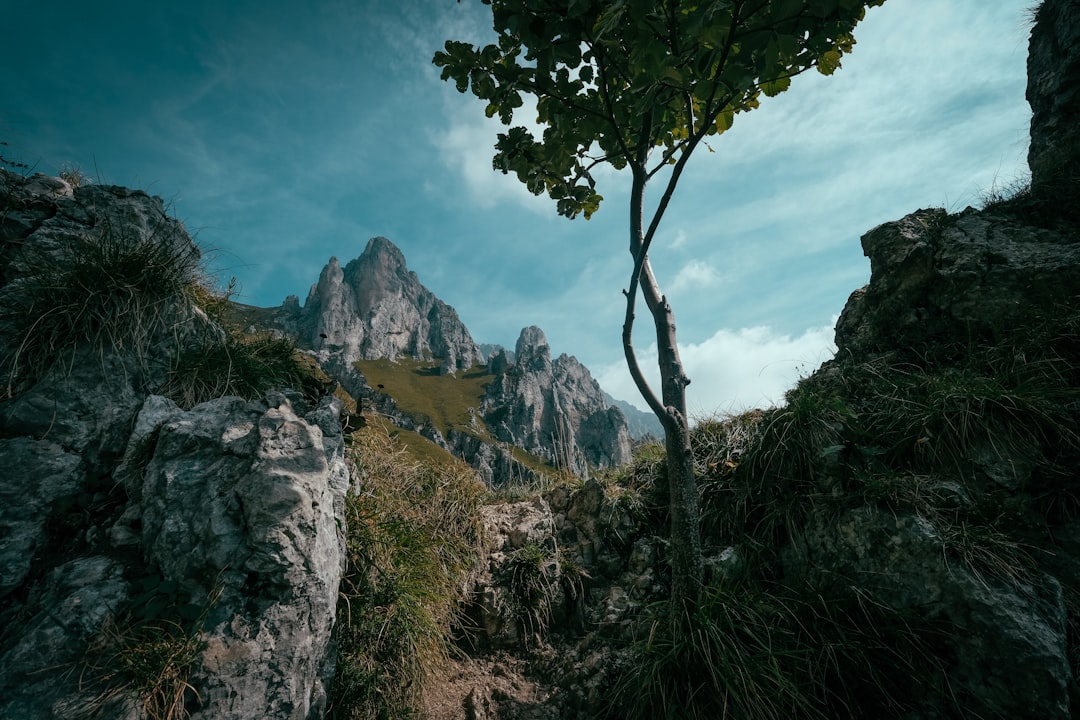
686 556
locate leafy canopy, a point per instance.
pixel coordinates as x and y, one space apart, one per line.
616 79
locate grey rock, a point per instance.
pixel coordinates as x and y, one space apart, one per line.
376 308
239 504
900 560
553 409
1053 91
506 620
640 424
39 664
37 474
246 497
936 278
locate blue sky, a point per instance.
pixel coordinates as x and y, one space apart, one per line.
284 133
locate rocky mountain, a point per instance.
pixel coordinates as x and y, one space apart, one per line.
900 540
554 409
641 424
377 309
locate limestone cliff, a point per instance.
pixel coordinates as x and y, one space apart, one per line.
553 409
375 307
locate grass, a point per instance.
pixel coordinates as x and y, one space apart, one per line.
978 440
244 366
120 292
110 290
145 655
451 402
532 574
419 389
412 537
750 652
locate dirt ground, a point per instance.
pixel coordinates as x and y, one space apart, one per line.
487 688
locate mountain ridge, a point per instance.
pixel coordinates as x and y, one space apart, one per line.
375 308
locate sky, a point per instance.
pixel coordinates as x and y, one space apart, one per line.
284 133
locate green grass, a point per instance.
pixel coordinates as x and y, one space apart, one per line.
978 440
412 536
419 389
532 575
245 366
419 447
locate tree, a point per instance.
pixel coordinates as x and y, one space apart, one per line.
642 84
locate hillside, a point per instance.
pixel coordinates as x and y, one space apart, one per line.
214 511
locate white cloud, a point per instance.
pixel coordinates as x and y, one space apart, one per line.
467 144
734 370
694 275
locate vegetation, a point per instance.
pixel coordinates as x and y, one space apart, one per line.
242 365
412 537
115 292
108 291
532 576
921 436
146 654
449 401
642 85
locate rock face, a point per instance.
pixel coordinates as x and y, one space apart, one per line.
1053 91
553 409
376 308
242 500
120 511
937 278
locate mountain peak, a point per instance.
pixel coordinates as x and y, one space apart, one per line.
376 308
381 251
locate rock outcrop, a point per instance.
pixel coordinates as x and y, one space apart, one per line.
376 308
938 279
1053 91
132 527
553 409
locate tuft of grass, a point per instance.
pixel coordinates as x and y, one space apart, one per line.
412 537
74 176
532 574
748 652
236 365
728 657
110 290
145 656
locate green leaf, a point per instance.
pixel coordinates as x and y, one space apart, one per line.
724 121
775 87
829 62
